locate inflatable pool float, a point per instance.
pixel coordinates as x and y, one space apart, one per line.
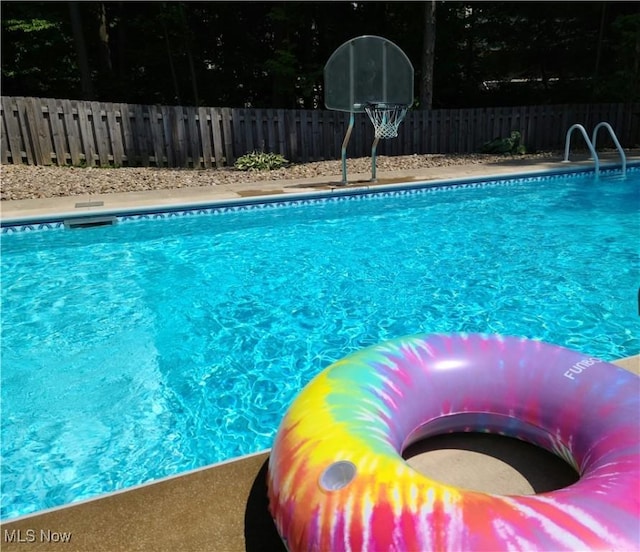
337 480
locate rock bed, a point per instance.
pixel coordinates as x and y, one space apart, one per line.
38 182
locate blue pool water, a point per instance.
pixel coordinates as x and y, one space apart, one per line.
152 347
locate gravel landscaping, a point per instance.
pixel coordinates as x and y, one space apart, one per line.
38 182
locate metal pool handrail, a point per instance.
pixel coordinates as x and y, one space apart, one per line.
567 144
594 137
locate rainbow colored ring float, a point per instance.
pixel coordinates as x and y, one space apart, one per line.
337 481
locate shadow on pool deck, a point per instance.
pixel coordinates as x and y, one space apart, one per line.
259 530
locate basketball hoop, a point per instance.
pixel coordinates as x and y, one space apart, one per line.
369 73
386 118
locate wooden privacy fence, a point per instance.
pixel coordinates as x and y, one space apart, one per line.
45 131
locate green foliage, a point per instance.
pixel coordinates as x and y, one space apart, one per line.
201 53
37 51
260 161
510 145
28 26
624 82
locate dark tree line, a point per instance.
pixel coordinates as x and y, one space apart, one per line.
271 54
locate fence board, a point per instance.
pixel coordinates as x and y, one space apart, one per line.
41 130
420 120
257 129
247 119
36 132
56 132
226 116
272 140
101 133
534 140
87 143
467 136
282 148
192 146
4 150
290 126
355 147
365 128
140 137
477 135
464 126
422 128
303 133
204 126
520 118
238 138
14 135
71 130
315 138
330 130
127 133
219 146
165 131
115 133
416 127
451 131
435 130
155 126
22 122
179 136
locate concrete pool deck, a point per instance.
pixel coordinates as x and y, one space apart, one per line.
224 507
101 204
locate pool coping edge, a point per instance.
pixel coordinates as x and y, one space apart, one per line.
333 190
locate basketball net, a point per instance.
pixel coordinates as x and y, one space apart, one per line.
386 118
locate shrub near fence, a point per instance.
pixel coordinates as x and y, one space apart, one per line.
45 131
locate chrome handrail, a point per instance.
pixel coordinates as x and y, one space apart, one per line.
567 145
594 137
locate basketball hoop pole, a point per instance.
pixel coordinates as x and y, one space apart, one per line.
344 146
373 158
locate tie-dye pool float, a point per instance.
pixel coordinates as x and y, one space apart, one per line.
337 480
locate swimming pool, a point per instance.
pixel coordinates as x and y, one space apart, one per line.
172 341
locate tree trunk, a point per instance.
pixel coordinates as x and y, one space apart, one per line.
174 77
121 63
596 69
81 51
428 55
186 33
635 91
103 35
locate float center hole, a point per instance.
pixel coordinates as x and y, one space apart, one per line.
489 463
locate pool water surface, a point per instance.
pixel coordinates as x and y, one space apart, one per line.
158 345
